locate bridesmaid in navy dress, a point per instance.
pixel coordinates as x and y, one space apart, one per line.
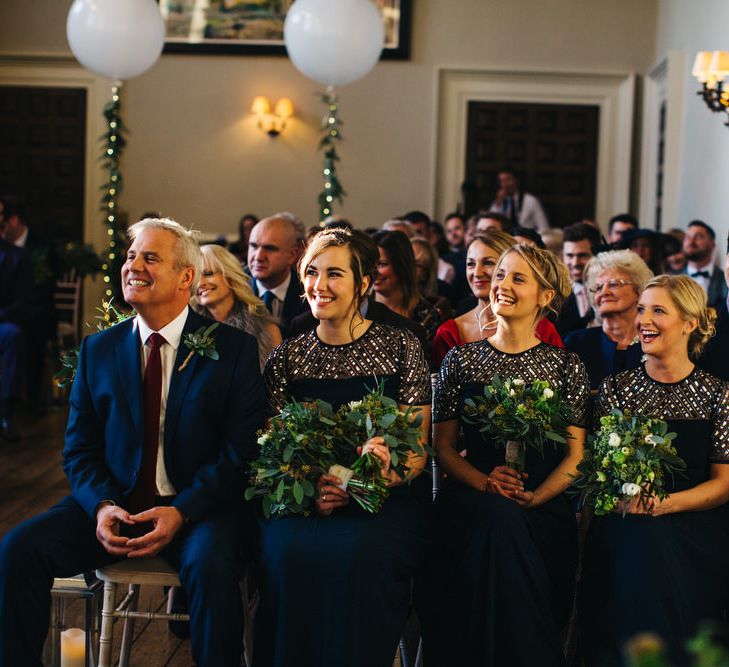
503 572
664 570
335 587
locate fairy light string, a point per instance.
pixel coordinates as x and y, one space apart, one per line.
331 134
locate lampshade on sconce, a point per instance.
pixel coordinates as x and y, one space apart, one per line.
710 69
272 123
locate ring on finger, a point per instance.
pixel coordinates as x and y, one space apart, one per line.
323 497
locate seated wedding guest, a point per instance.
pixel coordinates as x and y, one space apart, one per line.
479 323
619 225
455 232
614 279
16 291
273 251
397 225
528 236
358 565
499 587
156 443
39 331
580 243
647 244
456 256
662 568
553 239
699 246
420 222
240 247
436 291
224 294
483 220
395 284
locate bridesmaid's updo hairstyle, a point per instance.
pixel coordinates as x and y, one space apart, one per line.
690 299
363 252
550 272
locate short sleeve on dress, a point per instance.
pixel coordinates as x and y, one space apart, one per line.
576 389
448 388
415 387
274 375
720 451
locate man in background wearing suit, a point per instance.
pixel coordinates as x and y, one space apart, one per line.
699 244
15 296
273 251
155 458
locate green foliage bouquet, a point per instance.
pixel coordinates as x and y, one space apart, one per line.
630 456
518 415
307 440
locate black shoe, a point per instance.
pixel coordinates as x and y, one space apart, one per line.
7 432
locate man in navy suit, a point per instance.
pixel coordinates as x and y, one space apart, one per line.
16 285
273 252
699 244
156 443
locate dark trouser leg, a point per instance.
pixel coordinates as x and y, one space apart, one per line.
11 354
207 556
59 543
36 344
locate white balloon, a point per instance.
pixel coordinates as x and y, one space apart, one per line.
334 42
118 39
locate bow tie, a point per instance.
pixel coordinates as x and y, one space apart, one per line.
701 274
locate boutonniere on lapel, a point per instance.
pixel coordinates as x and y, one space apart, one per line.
202 343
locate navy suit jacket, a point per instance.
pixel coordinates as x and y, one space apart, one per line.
214 408
597 352
16 283
293 303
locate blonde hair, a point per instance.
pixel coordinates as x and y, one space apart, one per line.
187 250
430 289
690 299
620 260
495 239
550 272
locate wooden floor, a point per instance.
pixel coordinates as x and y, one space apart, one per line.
31 481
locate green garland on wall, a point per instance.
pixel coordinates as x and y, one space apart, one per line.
113 146
331 130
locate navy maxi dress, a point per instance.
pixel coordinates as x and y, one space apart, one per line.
336 590
502 577
662 574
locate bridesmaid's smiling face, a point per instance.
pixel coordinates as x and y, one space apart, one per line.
515 291
329 284
663 330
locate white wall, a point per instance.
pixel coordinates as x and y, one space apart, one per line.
195 153
703 183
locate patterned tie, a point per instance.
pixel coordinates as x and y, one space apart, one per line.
268 300
145 490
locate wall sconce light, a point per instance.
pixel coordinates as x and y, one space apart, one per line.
710 69
272 123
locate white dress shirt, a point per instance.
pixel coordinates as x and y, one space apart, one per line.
446 272
701 280
582 298
22 239
279 292
172 333
530 214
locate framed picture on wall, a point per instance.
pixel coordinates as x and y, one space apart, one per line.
255 27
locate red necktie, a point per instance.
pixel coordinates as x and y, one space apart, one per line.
145 490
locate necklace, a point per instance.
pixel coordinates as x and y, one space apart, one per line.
487 326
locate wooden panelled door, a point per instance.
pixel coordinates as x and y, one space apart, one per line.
552 148
43 138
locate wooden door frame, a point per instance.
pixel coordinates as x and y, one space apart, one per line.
613 93
48 71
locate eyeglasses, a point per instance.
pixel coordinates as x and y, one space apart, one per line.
610 284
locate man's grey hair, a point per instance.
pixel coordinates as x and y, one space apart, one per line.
296 223
403 226
187 248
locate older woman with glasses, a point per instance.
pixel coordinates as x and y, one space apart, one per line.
614 280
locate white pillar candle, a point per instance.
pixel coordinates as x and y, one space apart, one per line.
73 648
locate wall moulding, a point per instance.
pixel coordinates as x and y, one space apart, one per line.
613 93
